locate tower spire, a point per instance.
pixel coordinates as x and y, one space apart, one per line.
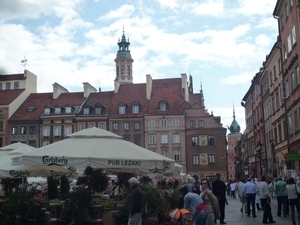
123 61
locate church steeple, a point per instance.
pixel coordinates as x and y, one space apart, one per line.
124 61
201 96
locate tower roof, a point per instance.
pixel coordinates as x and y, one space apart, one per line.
234 127
124 51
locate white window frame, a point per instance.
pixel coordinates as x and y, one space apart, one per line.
67 130
164 139
57 110
211 159
122 109
176 122
14 130
98 110
164 153
68 109
163 107
176 138
135 109
201 123
91 124
115 126
56 130
125 125
86 111
163 122
23 130
1 112
151 123
137 126
195 159
289 41
46 131
81 126
176 154
152 139
47 111
294 37
102 125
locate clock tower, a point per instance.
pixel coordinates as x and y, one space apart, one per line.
124 62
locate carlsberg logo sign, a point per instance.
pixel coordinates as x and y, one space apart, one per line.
55 161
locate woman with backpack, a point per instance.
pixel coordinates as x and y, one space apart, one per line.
211 202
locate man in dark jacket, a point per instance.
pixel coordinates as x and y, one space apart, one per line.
219 190
136 203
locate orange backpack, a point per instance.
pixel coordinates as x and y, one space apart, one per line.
182 217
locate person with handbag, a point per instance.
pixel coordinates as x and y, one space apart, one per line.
211 202
292 191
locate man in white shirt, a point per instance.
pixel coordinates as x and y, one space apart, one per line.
265 200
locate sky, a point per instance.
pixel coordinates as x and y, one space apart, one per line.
221 43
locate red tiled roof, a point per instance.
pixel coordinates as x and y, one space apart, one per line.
169 90
195 99
12 77
129 94
74 98
103 98
8 96
37 100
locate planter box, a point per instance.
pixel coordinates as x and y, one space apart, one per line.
108 218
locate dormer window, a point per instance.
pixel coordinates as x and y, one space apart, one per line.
122 109
86 111
163 106
97 110
31 109
57 110
68 109
135 109
47 111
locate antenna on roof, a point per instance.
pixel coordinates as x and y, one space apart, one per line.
24 62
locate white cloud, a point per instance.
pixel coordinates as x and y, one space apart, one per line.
237 79
207 8
255 7
124 11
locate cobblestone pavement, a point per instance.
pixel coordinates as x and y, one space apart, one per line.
233 215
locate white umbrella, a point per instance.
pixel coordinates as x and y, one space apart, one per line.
99 149
17 145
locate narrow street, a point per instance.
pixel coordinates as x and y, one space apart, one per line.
233 215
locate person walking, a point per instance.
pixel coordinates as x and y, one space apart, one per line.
249 191
241 195
265 200
211 203
136 203
292 190
219 190
232 189
194 203
280 190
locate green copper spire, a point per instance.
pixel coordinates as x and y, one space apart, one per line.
124 51
234 127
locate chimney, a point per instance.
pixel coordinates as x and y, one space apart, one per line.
148 86
99 89
58 89
117 86
184 86
87 89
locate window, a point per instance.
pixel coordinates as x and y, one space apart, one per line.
57 121
121 109
152 139
23 130
46 111
211 159
163 123
195 141
57 131
68 121
176 155
274 71
284 52
164 153
102 125
163 106
81 126
291 3
1 125
176 138
86 111
122 70
286 10
135 109
277 100
201 123
289 41
281 21
136 125
294 40
1 88
91 125
68 130
297 75
46 131
68 109
296 121
164 139
32 143
7 85
151 123
16 85
98 111
290 126
1 112
192 124
125 126
115 126
293 81
14 130
126 138
137 141
279 65
31 109
128 70
57 110
176 122
195 159
211 140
